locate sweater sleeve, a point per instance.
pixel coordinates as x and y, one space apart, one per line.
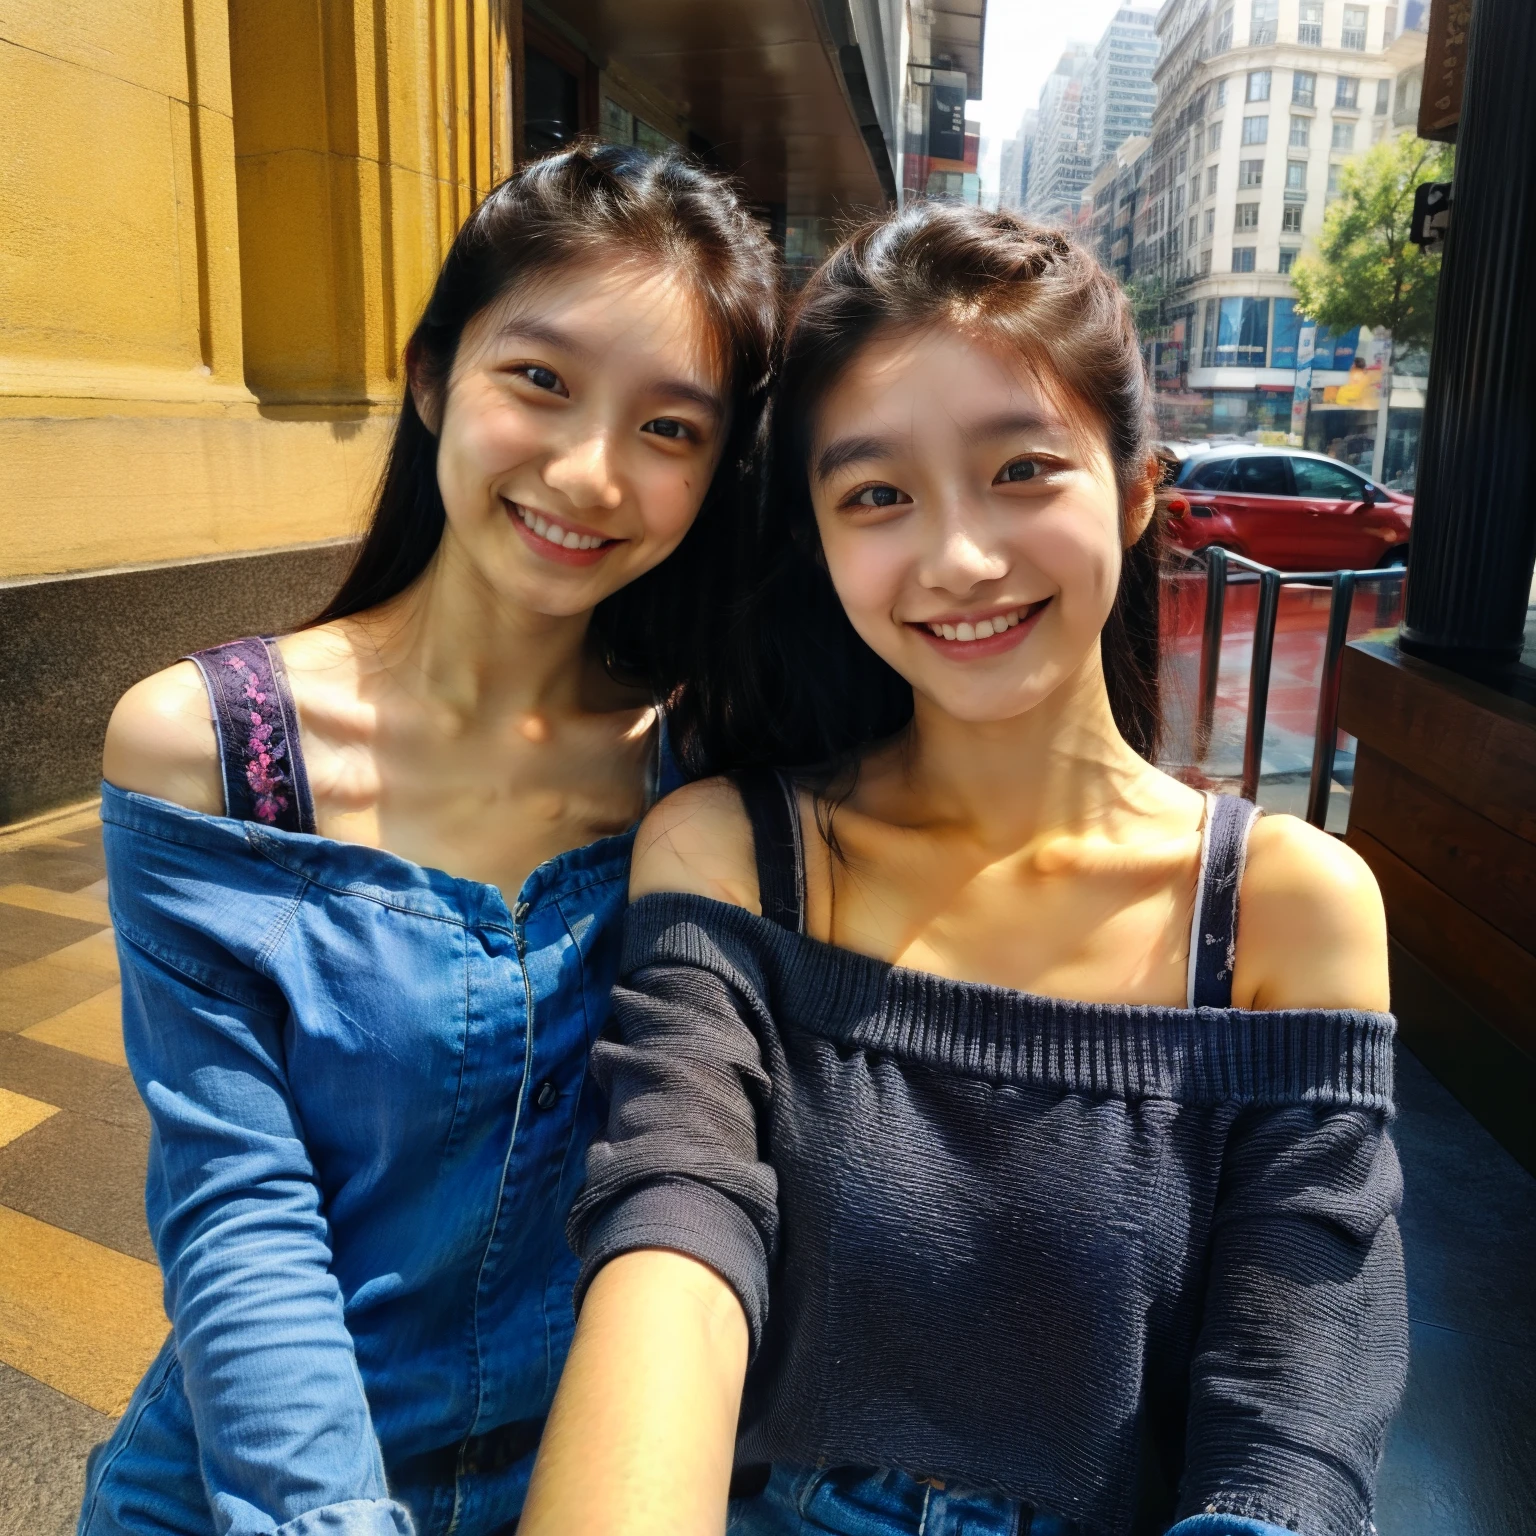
1303 1348
679 1166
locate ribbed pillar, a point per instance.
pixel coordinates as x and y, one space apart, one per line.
1474 520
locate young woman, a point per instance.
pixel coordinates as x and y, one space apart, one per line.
1039 1195
367 879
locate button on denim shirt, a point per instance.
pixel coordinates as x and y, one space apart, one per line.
368 1088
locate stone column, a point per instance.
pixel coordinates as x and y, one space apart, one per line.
1474 526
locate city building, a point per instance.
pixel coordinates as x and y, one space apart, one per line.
223 219
940 147
1122 94
1260 105
1061 162
1109 207
1014 161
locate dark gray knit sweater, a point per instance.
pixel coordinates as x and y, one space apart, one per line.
1124 1264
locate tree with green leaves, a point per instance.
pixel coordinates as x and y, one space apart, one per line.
1366 271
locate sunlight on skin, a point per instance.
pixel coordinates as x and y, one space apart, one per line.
1012 836
464 724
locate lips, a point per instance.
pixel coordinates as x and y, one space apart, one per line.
559 541
987 635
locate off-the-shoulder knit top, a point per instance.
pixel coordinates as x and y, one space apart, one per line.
1125 1264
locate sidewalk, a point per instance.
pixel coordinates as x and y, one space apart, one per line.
80 1314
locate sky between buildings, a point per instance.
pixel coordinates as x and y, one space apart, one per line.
1024 40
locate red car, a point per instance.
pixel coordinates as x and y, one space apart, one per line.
1295 511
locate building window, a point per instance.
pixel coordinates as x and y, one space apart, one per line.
1213 138
1250 173
1295 175
1194 143
1182 163
1355 19
1210 222
1247 216
1383 97
1301 132
1309 33
1178 199
1304 88
1255 130
1221 93
1223 32
1261 26
1205 263
1346 92
1344 136
1333 180
1288 255
1210 182
1258 84
1194 229
1389 28
1290 220
1242 258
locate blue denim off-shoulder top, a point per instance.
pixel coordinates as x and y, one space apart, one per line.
370 1102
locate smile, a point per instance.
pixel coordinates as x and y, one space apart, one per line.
559 534
962 638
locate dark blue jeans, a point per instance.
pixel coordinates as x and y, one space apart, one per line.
855 1501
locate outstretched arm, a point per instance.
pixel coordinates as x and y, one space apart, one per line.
640 1439
678 1218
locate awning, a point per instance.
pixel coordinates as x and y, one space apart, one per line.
760 80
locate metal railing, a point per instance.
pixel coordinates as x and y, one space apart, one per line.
1341 602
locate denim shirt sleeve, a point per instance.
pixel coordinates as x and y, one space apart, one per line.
285 1438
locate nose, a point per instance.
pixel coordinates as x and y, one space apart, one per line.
961 557
583 472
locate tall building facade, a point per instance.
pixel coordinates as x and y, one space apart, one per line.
1061 161
1260 105
1014 162
1122 94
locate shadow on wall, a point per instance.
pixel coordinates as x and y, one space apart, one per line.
72 647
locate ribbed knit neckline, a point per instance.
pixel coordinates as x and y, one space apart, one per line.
1326 1057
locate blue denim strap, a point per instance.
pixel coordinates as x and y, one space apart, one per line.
1213 934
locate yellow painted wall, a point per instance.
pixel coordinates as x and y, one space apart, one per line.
220 218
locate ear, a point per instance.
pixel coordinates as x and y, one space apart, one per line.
428 405
1141 501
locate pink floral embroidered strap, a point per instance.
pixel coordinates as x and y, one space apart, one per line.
253 712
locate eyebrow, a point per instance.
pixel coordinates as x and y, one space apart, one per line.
843 451
530 329
695 394
1006 423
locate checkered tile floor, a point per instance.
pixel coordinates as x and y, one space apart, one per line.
80 1314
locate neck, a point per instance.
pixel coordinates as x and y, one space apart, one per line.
452 639
1060 766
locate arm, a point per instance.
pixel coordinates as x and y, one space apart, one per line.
641 1436
1303 1346
284 1435
676 1225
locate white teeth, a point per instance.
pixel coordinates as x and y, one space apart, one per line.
984 629
565 538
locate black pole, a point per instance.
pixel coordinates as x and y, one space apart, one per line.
1474 520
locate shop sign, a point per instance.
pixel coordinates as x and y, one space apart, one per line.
946 116
1301 397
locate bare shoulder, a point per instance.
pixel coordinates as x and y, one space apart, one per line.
161 741
697 840
1312 930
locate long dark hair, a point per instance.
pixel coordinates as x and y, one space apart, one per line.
794 685
593 201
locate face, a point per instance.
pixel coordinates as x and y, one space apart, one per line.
582 422
971 528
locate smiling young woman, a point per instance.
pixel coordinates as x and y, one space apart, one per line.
949 1094
367 878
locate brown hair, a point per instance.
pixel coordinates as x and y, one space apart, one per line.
798 686
593 202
